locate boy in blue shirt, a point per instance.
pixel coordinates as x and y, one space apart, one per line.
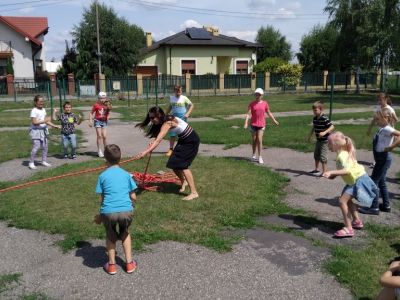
117 189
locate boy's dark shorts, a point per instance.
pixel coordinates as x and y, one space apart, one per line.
121 220
321 151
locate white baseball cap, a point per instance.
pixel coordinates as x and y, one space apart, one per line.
259 91
102 95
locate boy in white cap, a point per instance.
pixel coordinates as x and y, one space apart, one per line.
98 117
256 112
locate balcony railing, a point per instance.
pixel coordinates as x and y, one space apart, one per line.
5 46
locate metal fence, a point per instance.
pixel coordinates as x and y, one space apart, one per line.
138 87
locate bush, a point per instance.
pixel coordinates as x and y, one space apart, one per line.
291 74
270 64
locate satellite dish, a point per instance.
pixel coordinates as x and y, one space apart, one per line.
253 56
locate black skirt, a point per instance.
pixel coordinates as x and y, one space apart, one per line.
184 152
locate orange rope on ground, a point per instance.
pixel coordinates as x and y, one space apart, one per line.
19 186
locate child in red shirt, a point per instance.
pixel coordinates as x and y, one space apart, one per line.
98 117
256 111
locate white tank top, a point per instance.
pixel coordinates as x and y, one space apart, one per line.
180 127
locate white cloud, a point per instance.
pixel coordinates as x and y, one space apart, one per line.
295 5
26 10
285 14
246 35
190 23
260 3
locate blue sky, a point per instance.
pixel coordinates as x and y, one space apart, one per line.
239 18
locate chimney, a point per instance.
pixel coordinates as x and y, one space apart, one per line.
149 39
213 30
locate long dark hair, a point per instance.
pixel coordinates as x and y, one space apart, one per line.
154 129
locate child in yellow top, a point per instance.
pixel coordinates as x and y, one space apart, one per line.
359 190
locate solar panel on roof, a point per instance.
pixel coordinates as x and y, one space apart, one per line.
198 34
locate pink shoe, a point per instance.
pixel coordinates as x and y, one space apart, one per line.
344 232
357 224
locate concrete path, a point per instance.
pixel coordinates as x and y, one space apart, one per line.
264 265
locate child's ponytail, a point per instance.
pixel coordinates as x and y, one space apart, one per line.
350 147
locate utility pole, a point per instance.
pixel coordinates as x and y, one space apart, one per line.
98 36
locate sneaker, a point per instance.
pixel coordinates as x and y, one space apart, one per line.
169 153
32 166
73 156
65 156
313 172
253 158
130 267
384 208
46 164
372 165
110 268
100 153
260 160
368 211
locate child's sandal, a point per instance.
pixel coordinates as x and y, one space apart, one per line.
357 224
344 232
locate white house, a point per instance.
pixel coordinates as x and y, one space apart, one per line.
22 39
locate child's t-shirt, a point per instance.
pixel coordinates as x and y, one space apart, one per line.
344 162
40 115
115 184
258 110
384 138
179 105
68 122
320 124
101 111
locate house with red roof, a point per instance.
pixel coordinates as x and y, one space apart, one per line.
22 40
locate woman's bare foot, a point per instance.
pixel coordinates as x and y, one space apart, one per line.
191 197
183 187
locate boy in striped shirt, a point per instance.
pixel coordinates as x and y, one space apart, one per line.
322 126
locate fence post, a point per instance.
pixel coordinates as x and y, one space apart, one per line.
139 78
352 79
187 83
221 82
253 81
267 81
378 79
71 84
53 84
325 80
10 85
100 82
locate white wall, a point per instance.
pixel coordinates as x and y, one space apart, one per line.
23 67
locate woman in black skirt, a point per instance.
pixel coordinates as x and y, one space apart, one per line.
184 152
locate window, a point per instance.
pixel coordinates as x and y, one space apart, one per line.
242 67
188 66
38 65
3 66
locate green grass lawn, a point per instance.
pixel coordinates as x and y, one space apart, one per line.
160 216
220 106
291 133
17 144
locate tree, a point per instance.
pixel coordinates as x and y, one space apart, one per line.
9 66
68 61
317 49
368 31
120 43
273 43
270 64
